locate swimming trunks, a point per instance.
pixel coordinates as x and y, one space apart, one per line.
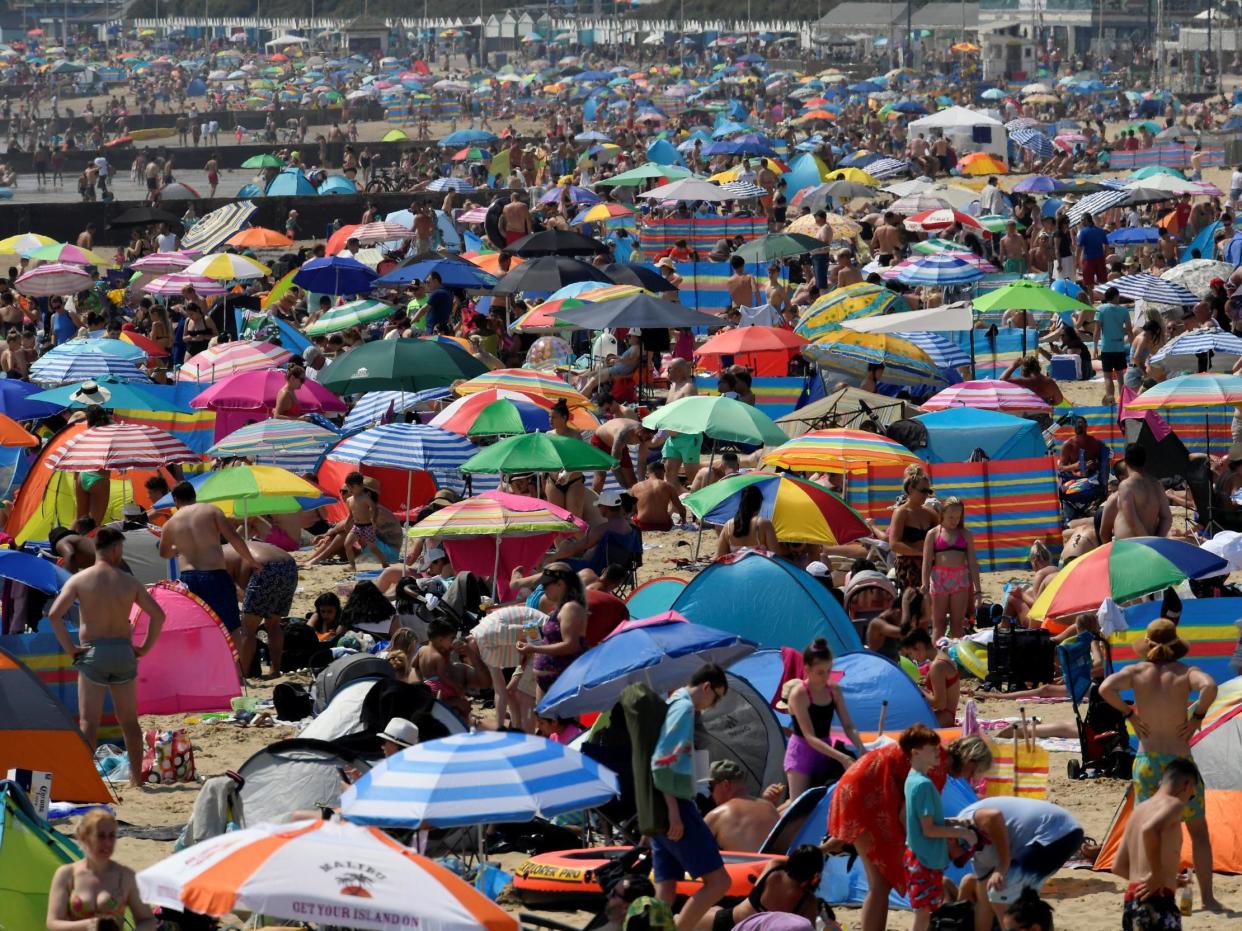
364 533
654 525
684 447
1158 912
108 661
269 593
924 886
215 586
949 580
1149 769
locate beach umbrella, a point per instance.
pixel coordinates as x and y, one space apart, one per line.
468 137
988 395
636 310
18 400
1184 351
477 778
335 274
542 316
1132 236
458 185
1195 275
778 246
1028 295
259 237
242 483
399 364
230 358
539 452
1207 390
463 415
939 219
260 505
1124 570
163 262
454 273
842 227
849 303
572 193
70 255
408 446
640 276
1036 184
718 417
636 176
912 204
851 352
982 163
1144 286
354 314
52 280
368 234
295 445
214 229
661 652
176 282
265 160
178 190
13 435
258 389
497 514
32 570
119 447
546 385
108 392
745 342
839 450
113 347
24 243
945 353
687 189
601 213
548 273
55 368
800 510
380 406
358 871
945 269
227 266
556 242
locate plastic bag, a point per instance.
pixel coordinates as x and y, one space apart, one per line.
112 764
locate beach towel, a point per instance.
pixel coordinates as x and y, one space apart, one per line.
218 806
791 668
644 715
672 763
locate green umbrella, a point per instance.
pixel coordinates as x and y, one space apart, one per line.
1028 295
500 418
266 160
253 482
636 176
540 452
777 246
720 418
400 365
355 313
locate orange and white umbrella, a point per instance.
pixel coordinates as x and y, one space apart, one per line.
325 872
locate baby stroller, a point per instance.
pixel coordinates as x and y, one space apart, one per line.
1102 729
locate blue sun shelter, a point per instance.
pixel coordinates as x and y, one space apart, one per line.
769 601
952 435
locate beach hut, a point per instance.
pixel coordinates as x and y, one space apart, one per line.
769 601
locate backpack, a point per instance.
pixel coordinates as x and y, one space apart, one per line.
303 649
292 701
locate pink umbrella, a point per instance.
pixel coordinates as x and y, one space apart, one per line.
231 358
371 233
52 280
249 390
118 447
987 394
176 282
164 262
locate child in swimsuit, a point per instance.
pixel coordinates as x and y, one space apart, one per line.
950 570
434 667
938 675
362 503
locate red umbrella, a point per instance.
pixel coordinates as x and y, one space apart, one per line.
942 219
337 241
765 350
118 447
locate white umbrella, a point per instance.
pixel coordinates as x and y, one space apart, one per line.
688 189
1197 274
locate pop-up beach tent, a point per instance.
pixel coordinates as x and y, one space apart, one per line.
952 435
31 850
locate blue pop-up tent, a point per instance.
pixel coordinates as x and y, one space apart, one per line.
952 435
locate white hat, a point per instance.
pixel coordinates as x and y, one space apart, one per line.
400 731
431 555
818 569
609 498
91 393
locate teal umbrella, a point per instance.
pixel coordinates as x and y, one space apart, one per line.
539 452
720 418
110 394
113 347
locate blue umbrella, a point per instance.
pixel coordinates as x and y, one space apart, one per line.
663 652
945 353
454 274
411 446
113 347
941 270
54 369
1132 235
335 274
460 185
122 395
909 106
468 137
1034 140
34 571
375 406
17 401
1143 286
475 778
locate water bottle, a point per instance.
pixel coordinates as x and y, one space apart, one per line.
1186 891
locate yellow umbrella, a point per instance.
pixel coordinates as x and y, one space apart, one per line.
968 47
982 163
225 266
842 227
853 174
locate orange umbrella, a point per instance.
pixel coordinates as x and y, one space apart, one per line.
12 433
490 261
337 241
259 237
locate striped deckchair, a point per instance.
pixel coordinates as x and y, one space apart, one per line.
1167 154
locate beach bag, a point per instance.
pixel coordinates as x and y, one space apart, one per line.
167 757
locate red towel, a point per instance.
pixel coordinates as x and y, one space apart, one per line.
791 668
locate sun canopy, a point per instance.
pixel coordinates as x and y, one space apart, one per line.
943 319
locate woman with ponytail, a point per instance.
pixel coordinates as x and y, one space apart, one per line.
747 528
810 755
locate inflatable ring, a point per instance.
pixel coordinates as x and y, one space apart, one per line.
572 872
972 657
491 223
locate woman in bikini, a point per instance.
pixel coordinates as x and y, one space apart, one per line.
810 755
950 570
747 528
287 406
198 331
941 680
566 489
911 521
89 891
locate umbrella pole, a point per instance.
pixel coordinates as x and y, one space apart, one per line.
1207 445
405 538
496 572
698 538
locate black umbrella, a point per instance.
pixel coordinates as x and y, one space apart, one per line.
556 242
637 310
143 216
547 274
639 275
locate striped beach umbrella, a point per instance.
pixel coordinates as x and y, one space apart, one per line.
850 353
160 263
59 368
1144 286
947 269
113 347
849 303
1207 390
474 778
176 282
1124 570
457 185
498 633
1182 352
214 229
358 871
527 381
988 395
743 190
461 416
839 450
1038 143
883 168
24 243
1096 203
225 359
118 447
941 219
227 266
295 445
497 514
942 351
409 446
933 245
377 406
354 313
370 233
602 213
800 510
68 254
52 280
542 316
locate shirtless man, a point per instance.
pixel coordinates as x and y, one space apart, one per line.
193 535
1151 848
743 290
1013 249
267 597
886 240
74 551
515 219
654 497
106 658
1162 686
614 437
739 822
1142 506
846 272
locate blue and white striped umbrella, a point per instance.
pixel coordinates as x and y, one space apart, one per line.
113 347
1096 203
1182 352
460 185
406 446
81 365
942 351
1147 287
1034 140
374 406
886 168
743 190
940 270
476 778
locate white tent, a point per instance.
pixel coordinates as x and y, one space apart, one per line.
954 118
968 130
282 41
941 319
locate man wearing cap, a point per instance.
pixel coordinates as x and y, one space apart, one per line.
739 822
1162 686
611 507
397 735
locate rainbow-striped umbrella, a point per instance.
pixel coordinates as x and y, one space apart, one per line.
176 282
231 358
227 266
497 514
289 444
70 255
461 416
800 511
1124 570
527 381
839 451
987 394
850 353
541 318
1208 390
849 303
